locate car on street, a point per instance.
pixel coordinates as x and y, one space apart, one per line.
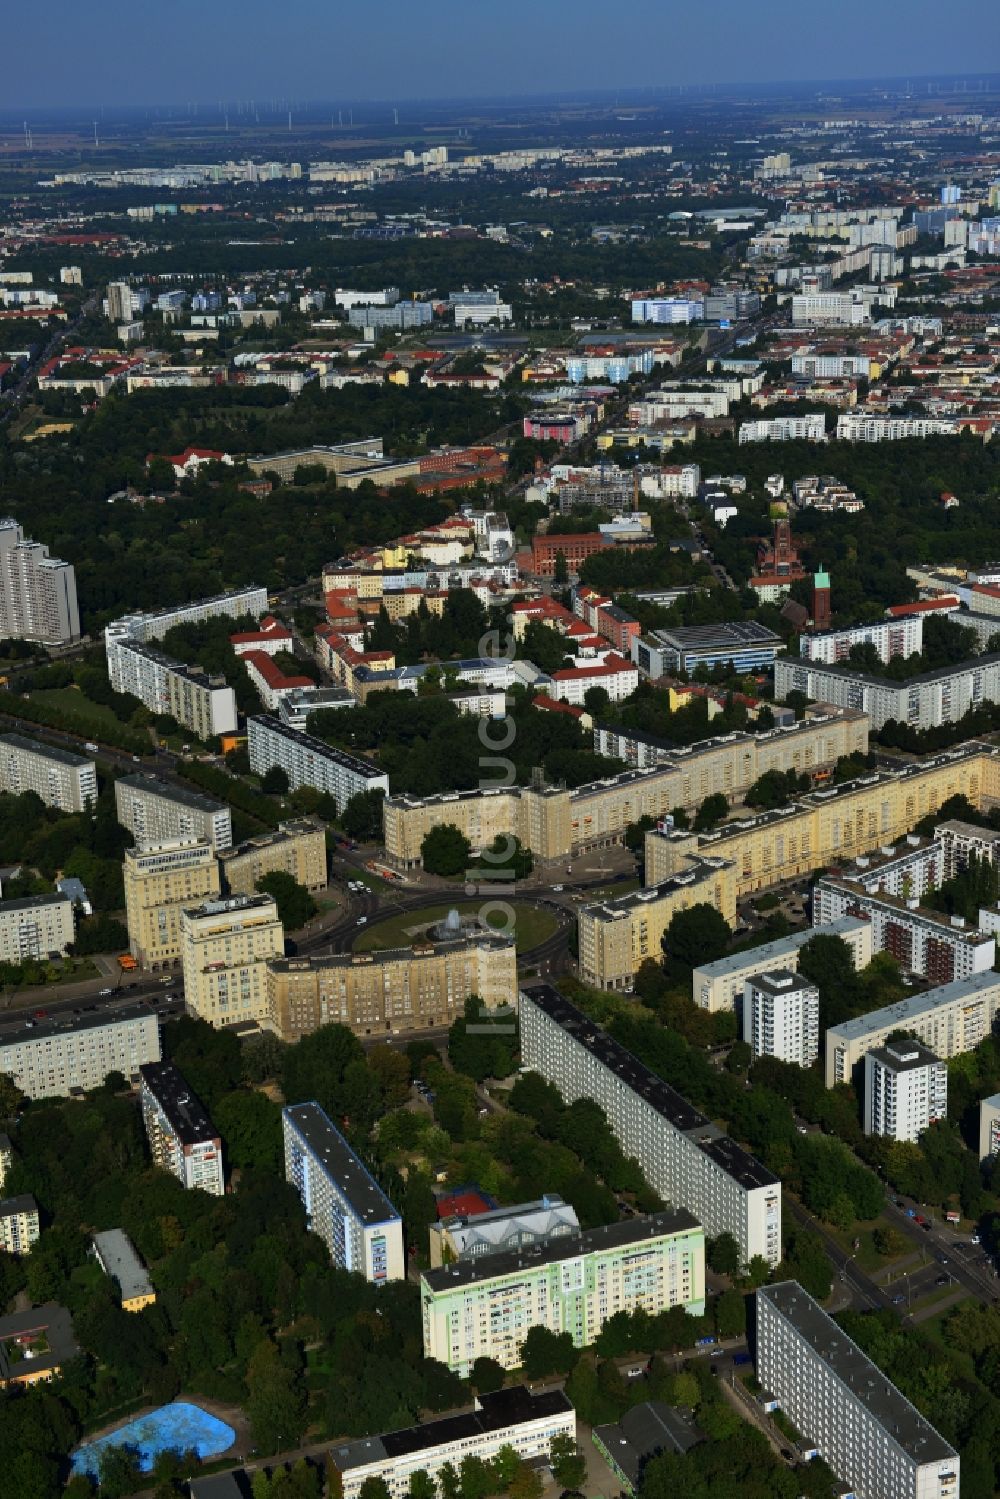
899 1299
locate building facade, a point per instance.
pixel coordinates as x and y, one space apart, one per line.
154 812
297 848
116 1254
182 1138
524 1419
556 823
36 926
204 704
393 991
310 762
872 1437
781 1017
485 1308
37 592
160 880
18 1223
949 1020
989 1127
922 702
225 948
56 1057
344 1204
62 780
906 1090
719 985
686 1158
922 941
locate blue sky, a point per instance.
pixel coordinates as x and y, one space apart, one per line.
142 51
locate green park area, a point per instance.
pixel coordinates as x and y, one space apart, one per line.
72 700
531 926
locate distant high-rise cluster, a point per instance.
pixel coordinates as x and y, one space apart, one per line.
37 592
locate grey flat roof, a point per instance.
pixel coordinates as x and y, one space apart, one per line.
50 751
675 1109
33 902
914 1005
15 1028
52 1320
503 1408
24 1203
835 669
331 1151
735 636
904 1056
185 1112
153 786
317 747
644 1431
771 952
593 1240
118 1258
903 1422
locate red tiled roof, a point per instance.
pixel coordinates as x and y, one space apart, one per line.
272 673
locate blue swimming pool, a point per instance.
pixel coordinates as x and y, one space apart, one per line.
179 1427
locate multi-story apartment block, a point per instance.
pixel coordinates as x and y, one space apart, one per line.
839 822
116 1254
60 1056
938 947
686 1158
36 927
785 429
617 936
225 948
310 762
18 1223
556 823
468 1236
781 1017
204 704
872 1437
864 426
154 811
890 637
720 985
37 592
989 1127
297 847
526 1420
906 1090
62 780
391 992
160 880
925 701
182 1138
344 1203
239 604
485 1307
949 1020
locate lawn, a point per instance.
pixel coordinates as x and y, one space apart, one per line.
72 700
531 928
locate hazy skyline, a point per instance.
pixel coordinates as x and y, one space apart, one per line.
113 51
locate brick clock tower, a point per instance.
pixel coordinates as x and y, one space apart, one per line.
821 600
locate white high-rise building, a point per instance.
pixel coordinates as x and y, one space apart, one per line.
841 1403
37 592
120 302
61 779
344 1203
182 1138
781 1017
906 1090
686 1158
